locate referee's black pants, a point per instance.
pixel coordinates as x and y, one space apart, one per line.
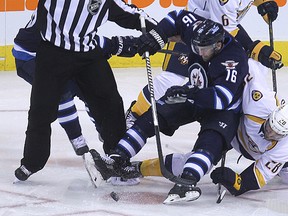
93 74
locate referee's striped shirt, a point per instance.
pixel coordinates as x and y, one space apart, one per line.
72 24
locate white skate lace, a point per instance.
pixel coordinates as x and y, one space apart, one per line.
130 119
108 160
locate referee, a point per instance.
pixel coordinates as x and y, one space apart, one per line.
69 50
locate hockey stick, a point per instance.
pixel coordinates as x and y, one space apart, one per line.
164 171
166 51
221 194
272 46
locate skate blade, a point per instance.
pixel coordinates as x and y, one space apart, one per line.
94 174
175 198
16 180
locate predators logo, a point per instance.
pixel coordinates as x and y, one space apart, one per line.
183 59
256 95
223 2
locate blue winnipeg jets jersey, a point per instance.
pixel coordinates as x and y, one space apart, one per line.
220 80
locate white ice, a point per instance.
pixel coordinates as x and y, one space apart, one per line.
63 186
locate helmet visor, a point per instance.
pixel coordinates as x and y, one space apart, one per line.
203 50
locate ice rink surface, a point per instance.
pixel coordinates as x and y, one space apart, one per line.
63 187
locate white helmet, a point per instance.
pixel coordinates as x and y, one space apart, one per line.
278 120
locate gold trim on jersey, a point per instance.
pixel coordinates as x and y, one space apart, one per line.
167 57
255 119
259 176
234 32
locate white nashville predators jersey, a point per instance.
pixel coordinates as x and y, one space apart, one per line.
258 102
227 12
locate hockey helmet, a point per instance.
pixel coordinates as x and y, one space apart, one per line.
278 120
206 33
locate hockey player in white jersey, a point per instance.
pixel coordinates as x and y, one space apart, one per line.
261 137
227 12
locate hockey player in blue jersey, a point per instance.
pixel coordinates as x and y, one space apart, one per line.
229 14
217 68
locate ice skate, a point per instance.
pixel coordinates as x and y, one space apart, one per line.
182 193
94 174
22 174
119 181
104 165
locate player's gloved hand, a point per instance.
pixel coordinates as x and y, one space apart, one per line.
268 9
123 46
228 178
265 55
151 42
179 94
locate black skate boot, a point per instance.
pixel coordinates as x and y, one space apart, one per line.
104 165
183 193
22 173
124 168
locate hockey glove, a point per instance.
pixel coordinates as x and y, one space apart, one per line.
268 9
265 55
151 42
228 178
123 46
179 94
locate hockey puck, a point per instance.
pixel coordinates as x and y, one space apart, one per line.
114 196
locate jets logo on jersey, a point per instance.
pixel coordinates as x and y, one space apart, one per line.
198 76
93 6
230 64
183 59
256 95
223 2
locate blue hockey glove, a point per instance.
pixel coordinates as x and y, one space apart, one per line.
179 94
151 42
268 9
